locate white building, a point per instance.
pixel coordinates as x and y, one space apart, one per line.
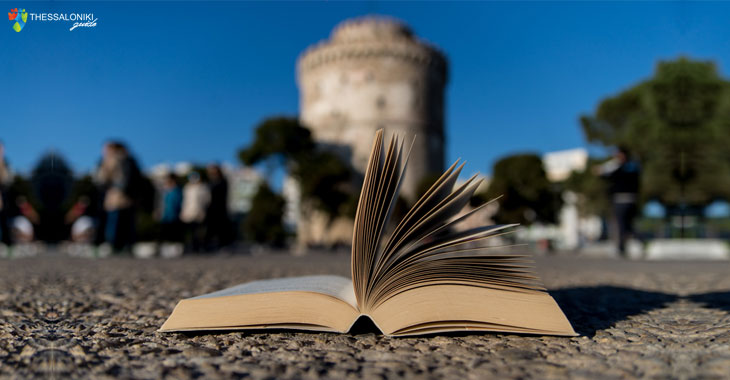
293 195
559 164
573 229
243 183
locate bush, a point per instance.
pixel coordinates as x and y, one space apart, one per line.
527 195
264 222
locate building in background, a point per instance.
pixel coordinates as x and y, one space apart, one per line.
243 183
293 195
374 73
559 164
573 230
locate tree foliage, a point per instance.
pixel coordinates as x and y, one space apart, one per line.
677 123
323 177
264 222
527 195
591 190
279 138
51 180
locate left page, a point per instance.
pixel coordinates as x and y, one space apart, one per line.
335 286
322 303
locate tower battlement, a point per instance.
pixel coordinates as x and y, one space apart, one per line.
372 73
373 38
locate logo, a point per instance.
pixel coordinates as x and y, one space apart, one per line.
19 17
75 20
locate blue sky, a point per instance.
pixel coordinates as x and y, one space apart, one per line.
189 81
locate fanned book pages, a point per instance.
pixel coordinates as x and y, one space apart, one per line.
425 276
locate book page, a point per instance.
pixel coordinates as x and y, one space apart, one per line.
464 307
335 286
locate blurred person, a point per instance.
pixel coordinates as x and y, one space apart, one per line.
5 180
119 174
26 209
22 230
101 188
83 230
82 224
623 175
217 222
78 209
172 198
196 198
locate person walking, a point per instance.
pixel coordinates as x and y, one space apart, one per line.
623 175
217 222
196 198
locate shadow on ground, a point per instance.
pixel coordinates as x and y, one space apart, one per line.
716 300
590 309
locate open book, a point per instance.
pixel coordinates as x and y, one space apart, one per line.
425 276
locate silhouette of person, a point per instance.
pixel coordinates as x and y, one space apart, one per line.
217 222
5 180
120 176
623 175
170 226
196 198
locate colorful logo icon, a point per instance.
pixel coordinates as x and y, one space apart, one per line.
19 17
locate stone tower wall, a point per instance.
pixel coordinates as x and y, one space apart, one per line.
373 73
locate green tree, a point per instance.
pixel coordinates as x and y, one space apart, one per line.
527 195
278 140
324 180
591 190
264 222
677 124
323 177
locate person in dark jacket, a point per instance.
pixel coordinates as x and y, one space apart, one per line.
623 176
217 222
170 225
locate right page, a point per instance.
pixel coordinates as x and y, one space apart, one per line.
437 308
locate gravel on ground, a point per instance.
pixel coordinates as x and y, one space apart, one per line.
74 318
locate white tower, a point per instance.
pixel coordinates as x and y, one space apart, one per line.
374 73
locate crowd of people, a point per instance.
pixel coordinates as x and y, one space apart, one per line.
122 204
189 212
197 212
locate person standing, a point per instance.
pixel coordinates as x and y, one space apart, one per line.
217 222
170 229
5 180
623 176
196 198
102 186
120 175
